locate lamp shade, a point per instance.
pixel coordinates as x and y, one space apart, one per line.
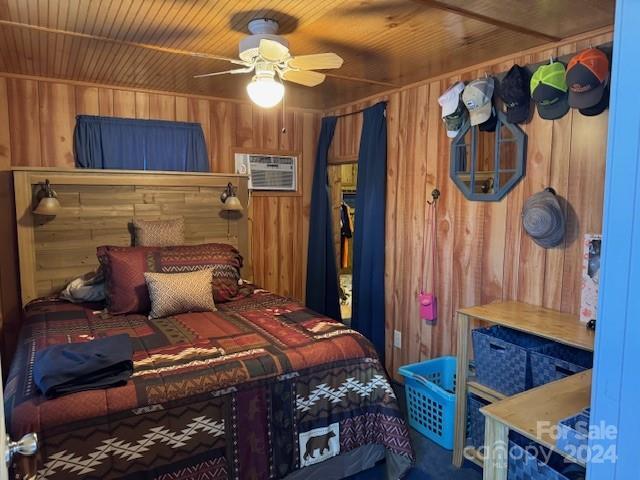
47 206
232 204
264 91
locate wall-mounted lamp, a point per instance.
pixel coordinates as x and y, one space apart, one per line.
229 199
48 204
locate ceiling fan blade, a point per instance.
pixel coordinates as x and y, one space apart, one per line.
318 61
306 78
213 74
211 56
272 51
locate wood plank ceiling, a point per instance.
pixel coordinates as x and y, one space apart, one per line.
385 43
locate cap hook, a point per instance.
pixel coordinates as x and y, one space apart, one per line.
435 194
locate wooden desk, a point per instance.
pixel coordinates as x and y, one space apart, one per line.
543 322
549 403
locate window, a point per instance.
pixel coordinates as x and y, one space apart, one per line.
131 144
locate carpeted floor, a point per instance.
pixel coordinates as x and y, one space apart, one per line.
432 461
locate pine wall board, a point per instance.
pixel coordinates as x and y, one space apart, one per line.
483 253
37 118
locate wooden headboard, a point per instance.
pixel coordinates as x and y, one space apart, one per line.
97 209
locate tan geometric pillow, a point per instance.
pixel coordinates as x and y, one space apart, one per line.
174 293
159 233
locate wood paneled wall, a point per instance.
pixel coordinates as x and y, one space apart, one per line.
97 209
37 118
483 253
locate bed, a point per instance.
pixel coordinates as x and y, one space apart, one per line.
261 388
258 389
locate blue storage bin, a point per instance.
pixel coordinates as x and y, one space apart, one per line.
503 358
430 388
524 463
555 361
475 423
573 435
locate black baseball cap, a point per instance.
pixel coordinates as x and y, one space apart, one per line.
514 92
491 123
599 107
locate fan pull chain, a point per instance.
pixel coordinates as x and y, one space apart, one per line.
284 116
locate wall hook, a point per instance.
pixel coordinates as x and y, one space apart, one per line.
435 194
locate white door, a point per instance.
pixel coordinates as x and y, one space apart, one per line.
28 445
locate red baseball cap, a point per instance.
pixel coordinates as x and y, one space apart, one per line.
587 77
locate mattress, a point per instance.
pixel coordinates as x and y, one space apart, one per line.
261 388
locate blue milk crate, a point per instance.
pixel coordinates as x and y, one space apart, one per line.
573 435
475 425
555 361
502 358
431 398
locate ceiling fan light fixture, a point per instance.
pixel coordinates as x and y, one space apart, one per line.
268 55
265 91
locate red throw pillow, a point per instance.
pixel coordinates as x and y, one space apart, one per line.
125 268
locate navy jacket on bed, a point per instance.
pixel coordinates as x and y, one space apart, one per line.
74 367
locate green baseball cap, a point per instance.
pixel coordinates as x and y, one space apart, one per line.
455 120
549 91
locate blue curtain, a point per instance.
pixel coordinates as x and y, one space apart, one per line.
368 242
131 144
322 276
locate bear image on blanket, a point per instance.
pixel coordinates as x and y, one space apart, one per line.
319 444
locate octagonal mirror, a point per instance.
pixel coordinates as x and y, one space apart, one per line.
486 165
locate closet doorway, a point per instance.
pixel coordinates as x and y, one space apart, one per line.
342 186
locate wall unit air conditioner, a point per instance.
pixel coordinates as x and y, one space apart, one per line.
268 172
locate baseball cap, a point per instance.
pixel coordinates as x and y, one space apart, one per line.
454 112
549 91
599 107
449 100
514 92
587 76
477 98
455 120
491 123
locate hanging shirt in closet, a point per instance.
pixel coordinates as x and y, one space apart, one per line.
346 232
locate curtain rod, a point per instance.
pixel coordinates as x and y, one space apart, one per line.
350 113
360 111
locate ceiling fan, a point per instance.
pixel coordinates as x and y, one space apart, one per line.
267 54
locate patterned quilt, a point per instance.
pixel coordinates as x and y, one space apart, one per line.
256 390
